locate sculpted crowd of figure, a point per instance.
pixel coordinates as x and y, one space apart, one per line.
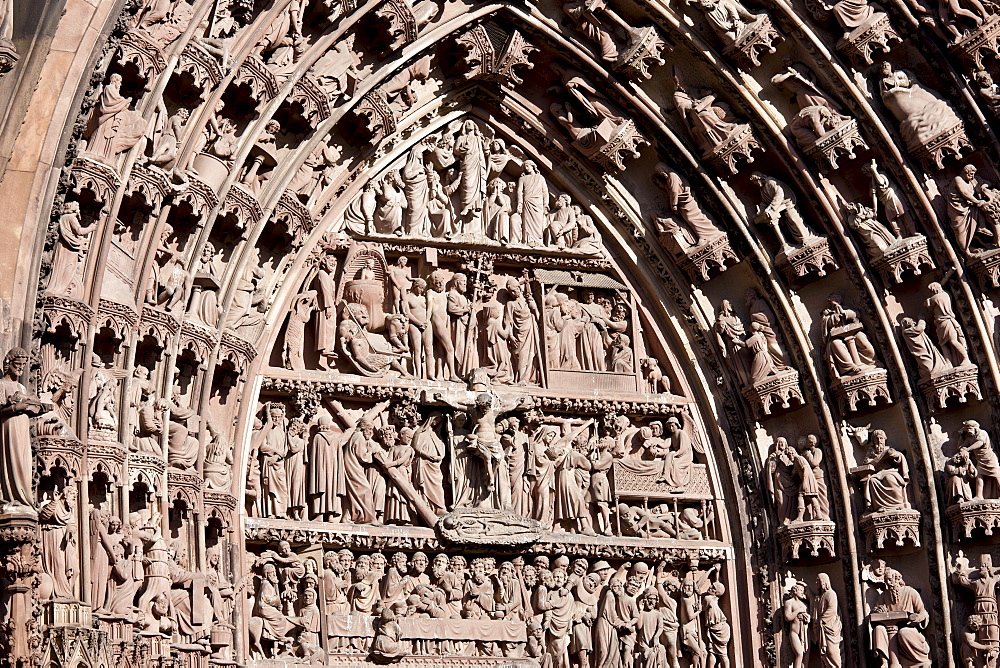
559 611
138 576
360 466
464 185
467 185
795 478
442 326
812 623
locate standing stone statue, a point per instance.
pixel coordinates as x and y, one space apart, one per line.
885 194
59 542
950 336
295 332
827 626
521 320
532 204
70 248
982 583
272 444
797 619
17 407
326 305
429 453
778 204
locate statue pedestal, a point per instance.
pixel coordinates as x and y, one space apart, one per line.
950 141
835 144
620 141
865 390
814 258
760 38
775 394
907 258
978 515
485 62
979 43
643 52
874 35
740 146
958 386
900 528
815 536
986 266
706 260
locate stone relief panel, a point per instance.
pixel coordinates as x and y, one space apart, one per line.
334 379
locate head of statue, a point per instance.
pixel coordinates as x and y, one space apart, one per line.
15 362
986 563
419 562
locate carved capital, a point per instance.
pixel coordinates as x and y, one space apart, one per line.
907 258
952 387
899 528
865 390
813 260
874 36
816 538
